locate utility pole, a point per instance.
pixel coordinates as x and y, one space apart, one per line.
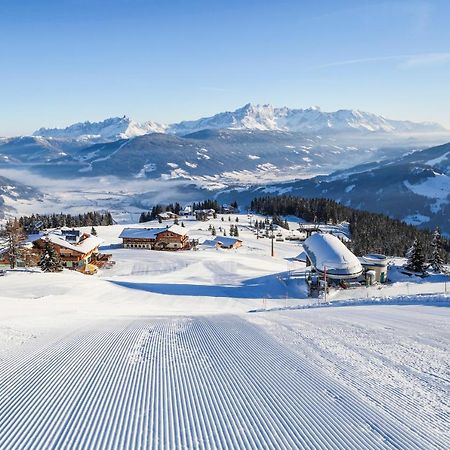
272 237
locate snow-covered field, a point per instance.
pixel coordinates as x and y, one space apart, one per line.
161 352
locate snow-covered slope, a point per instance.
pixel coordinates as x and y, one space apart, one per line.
108 130
310 120
35 149
13 192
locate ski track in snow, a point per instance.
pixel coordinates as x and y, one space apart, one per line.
170 383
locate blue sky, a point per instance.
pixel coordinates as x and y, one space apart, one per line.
72 60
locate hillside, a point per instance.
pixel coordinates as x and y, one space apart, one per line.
414 188
13 192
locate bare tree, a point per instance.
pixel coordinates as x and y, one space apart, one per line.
14 235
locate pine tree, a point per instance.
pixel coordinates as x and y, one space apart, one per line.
93 231
182 224
50 261
237 219
213 231
416 258
236 231
437 261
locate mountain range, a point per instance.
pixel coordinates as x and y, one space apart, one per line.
358 158
248 117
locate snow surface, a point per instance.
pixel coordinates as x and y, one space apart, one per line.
437 187
160 351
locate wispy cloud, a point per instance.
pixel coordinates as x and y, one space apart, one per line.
426 59
401 61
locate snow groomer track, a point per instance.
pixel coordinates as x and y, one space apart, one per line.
172 383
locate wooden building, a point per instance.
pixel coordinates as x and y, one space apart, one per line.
75 253
174 237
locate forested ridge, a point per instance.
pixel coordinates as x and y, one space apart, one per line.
370 232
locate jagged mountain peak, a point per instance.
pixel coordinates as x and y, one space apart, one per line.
251 116
109 129
266 117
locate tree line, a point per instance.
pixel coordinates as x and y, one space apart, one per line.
158 209
370 232
37 222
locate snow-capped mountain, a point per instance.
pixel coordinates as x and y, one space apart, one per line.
108 130
310 120
414 188
249 117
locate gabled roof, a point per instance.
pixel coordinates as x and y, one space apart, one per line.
177 229
150 233
85 246
225 240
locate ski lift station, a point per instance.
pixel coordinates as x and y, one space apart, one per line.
331 258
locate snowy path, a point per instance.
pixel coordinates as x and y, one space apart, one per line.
200 382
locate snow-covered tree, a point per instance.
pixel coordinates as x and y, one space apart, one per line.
93 231
437 261
416 258
50 261
213 231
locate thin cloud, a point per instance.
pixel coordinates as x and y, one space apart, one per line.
403 61
427 59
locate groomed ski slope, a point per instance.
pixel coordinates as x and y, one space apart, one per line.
217 382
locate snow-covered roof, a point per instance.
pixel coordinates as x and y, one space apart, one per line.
141 233
177 229
327 252
150 233
84 246
225 240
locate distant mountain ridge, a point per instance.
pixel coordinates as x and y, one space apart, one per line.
310 120
248 117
